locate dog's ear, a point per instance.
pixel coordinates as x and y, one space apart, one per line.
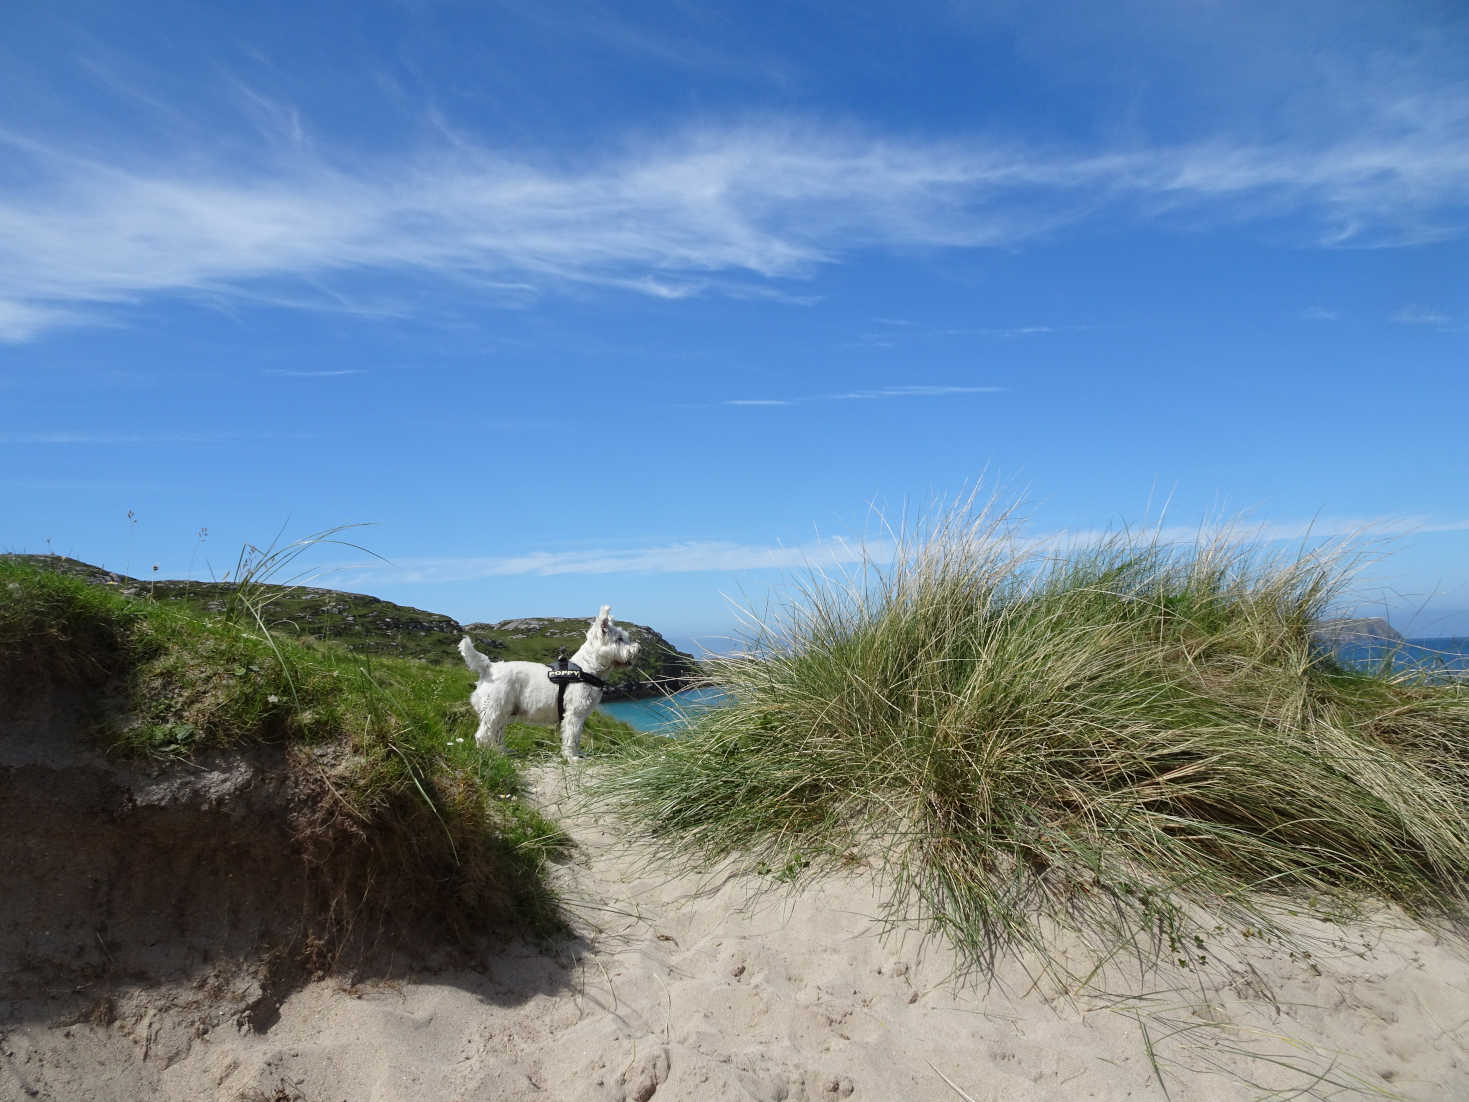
603 622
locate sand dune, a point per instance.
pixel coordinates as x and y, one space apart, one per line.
685 988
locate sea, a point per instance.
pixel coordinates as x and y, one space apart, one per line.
1447 657
664 715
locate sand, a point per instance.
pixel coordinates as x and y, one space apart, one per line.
689 988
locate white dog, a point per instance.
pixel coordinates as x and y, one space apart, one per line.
523 690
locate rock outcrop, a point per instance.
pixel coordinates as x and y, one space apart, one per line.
1347 631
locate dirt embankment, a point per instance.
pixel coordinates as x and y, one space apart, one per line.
235 877
122 873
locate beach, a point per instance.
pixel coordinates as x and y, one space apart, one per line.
712 986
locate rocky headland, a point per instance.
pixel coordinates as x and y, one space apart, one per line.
1348 631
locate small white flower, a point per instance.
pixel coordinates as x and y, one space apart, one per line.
273 699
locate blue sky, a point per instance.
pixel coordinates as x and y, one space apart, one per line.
649 304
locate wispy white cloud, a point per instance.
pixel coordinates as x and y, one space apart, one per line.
684 37
912 392
706 556
20 321
1012 331
713 209
86 485
1363 528
288 373
89 438
1319 313
874 394
276 122
696 556
107 438
1418 315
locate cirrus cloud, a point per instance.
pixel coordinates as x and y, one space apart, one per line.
701 556
715 209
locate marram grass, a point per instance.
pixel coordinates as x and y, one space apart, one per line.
1108 738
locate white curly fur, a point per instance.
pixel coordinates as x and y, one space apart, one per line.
521 690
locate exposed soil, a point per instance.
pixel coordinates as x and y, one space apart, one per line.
234 878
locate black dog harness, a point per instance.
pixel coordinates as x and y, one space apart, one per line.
563 673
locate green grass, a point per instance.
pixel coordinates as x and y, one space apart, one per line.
386 744
59 633
602 736
1102 739
371 626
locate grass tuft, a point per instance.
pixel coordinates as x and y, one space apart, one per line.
1103 738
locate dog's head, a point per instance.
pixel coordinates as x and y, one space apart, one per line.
609 641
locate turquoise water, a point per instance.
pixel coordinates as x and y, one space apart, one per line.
663 714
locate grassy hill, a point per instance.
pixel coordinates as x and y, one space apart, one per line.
186 781
376 627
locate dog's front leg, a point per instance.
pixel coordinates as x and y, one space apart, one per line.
571 736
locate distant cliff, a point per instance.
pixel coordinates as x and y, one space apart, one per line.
372 626
1346 631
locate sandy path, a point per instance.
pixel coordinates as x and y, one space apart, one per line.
722 995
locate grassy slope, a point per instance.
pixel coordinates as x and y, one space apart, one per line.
371 626
1101 740
162 680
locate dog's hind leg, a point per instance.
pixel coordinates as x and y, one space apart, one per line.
482 735
493 717
495 732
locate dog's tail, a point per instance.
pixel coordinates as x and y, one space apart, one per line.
473 659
